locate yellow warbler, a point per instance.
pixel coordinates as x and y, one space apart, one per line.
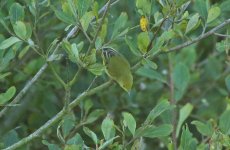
118 68
144 23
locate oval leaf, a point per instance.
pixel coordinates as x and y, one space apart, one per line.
183 115
194 20
107 128
130 122
224 122
213 13
91 134
143 41
16 13
151 131
9 42
5 97
20 29
132 46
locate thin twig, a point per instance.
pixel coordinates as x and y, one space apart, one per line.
43 68
25 89
56 75
86 35
222 35
99 27
212 31
91 43
172 102
155 34
57 117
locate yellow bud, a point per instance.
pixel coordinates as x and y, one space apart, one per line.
118 68
144 23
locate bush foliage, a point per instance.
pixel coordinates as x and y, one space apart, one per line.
55 94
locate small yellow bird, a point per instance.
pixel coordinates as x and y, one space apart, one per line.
118 68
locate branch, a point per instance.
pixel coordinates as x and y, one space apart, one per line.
176 48
105 8
58 116
172 102
25 89
222 35
43 68
99 27
77 100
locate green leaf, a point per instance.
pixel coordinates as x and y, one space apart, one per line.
72 8
165 36
98 43
63 17
185 111
149 63
132 46
28 31
223 6
151 74
144 7
193 21
201 7
16 13
91 134
95 8
82 6
76 139
9 42
151 131
2 76
222 46
107 128
227 82
204 128
143 41
68 124
119 24
80 46
5 97
72 51
107 143
86 19
181 77
157 110
224 122
75 52
94 115
20 29
188 56
88 104
10 138
97 69
72 147
187 142
213 13
103 31
129 121
51 146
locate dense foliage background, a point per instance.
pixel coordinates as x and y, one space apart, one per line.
54 87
